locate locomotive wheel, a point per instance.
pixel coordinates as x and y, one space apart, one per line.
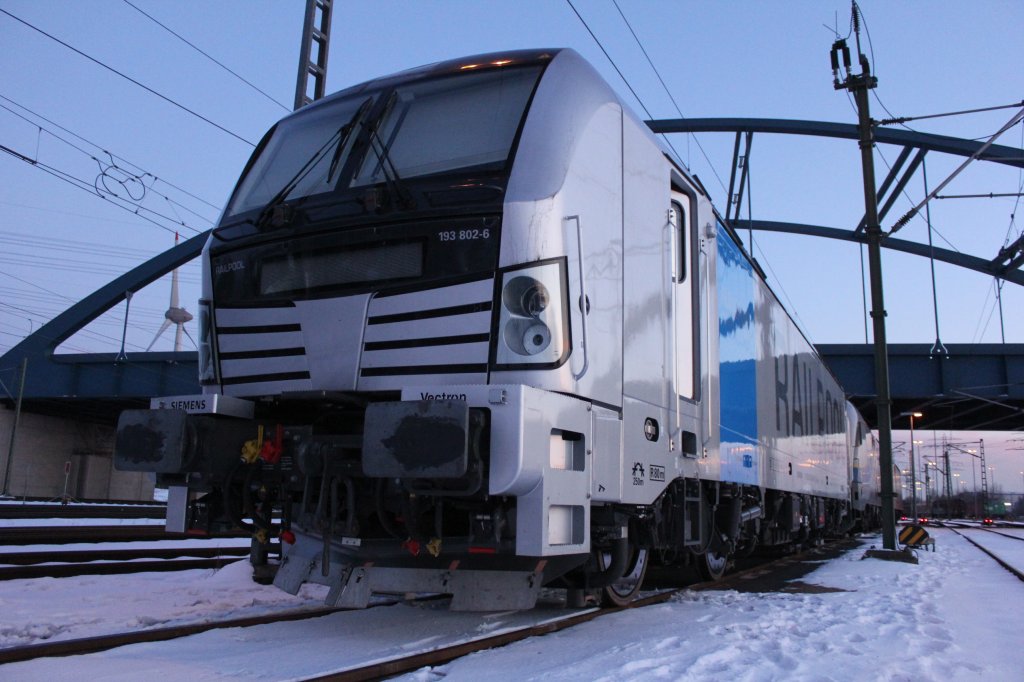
711 565
625 589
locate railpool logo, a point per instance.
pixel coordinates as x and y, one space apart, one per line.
230 267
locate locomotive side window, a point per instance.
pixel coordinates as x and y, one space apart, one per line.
682 296
678 218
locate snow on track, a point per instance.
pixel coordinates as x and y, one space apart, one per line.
43 609
1009 550
952 617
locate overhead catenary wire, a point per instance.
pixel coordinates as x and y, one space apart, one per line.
667 91
801 325
75 214
138 168
904 119
105 167
626 81
1016 204
76 246
92 334
111 319
938 348
205 54
981 150
86 186
979 330
906 195
131 80
990 195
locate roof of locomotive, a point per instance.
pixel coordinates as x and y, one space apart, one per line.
492 60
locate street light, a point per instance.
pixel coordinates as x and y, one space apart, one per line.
974 481
913 473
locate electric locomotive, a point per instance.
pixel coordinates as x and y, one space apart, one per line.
469 329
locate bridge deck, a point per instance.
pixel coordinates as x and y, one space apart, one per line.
977 386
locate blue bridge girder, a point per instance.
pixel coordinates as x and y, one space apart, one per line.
973 386
987 267
904 138
103 379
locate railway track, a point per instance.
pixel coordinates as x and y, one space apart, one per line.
91 645
26 565
62 535
1005 535
444 655
999 560
57 562
82 511
550 622
782 568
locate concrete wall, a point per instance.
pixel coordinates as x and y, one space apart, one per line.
43 447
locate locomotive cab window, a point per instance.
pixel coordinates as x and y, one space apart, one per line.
461 121
300 154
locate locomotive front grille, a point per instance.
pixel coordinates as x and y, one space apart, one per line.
427 335
261 350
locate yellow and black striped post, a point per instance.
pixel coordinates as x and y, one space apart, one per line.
913 536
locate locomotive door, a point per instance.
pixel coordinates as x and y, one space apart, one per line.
683 332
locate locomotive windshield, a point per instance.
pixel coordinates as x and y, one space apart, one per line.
300 152
463 121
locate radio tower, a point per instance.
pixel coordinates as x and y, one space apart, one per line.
175 314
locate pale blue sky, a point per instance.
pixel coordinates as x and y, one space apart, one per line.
719 59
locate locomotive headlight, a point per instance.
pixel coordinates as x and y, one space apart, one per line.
525 296
207 359
527 338
532 316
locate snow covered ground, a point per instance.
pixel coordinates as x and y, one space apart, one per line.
955 616
45 609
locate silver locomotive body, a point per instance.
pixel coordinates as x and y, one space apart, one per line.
469 329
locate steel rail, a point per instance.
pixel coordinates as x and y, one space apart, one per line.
114 568
62 535
444 655
418 660
81 511
81 556
91 645
1016 572
1005 535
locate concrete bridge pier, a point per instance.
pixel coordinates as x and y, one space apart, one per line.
51 451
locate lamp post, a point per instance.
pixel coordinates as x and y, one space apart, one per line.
974 483
913 468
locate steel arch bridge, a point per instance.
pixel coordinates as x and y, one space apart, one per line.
983 387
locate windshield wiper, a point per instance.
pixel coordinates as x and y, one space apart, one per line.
387 167
392 180
346 135
276 212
